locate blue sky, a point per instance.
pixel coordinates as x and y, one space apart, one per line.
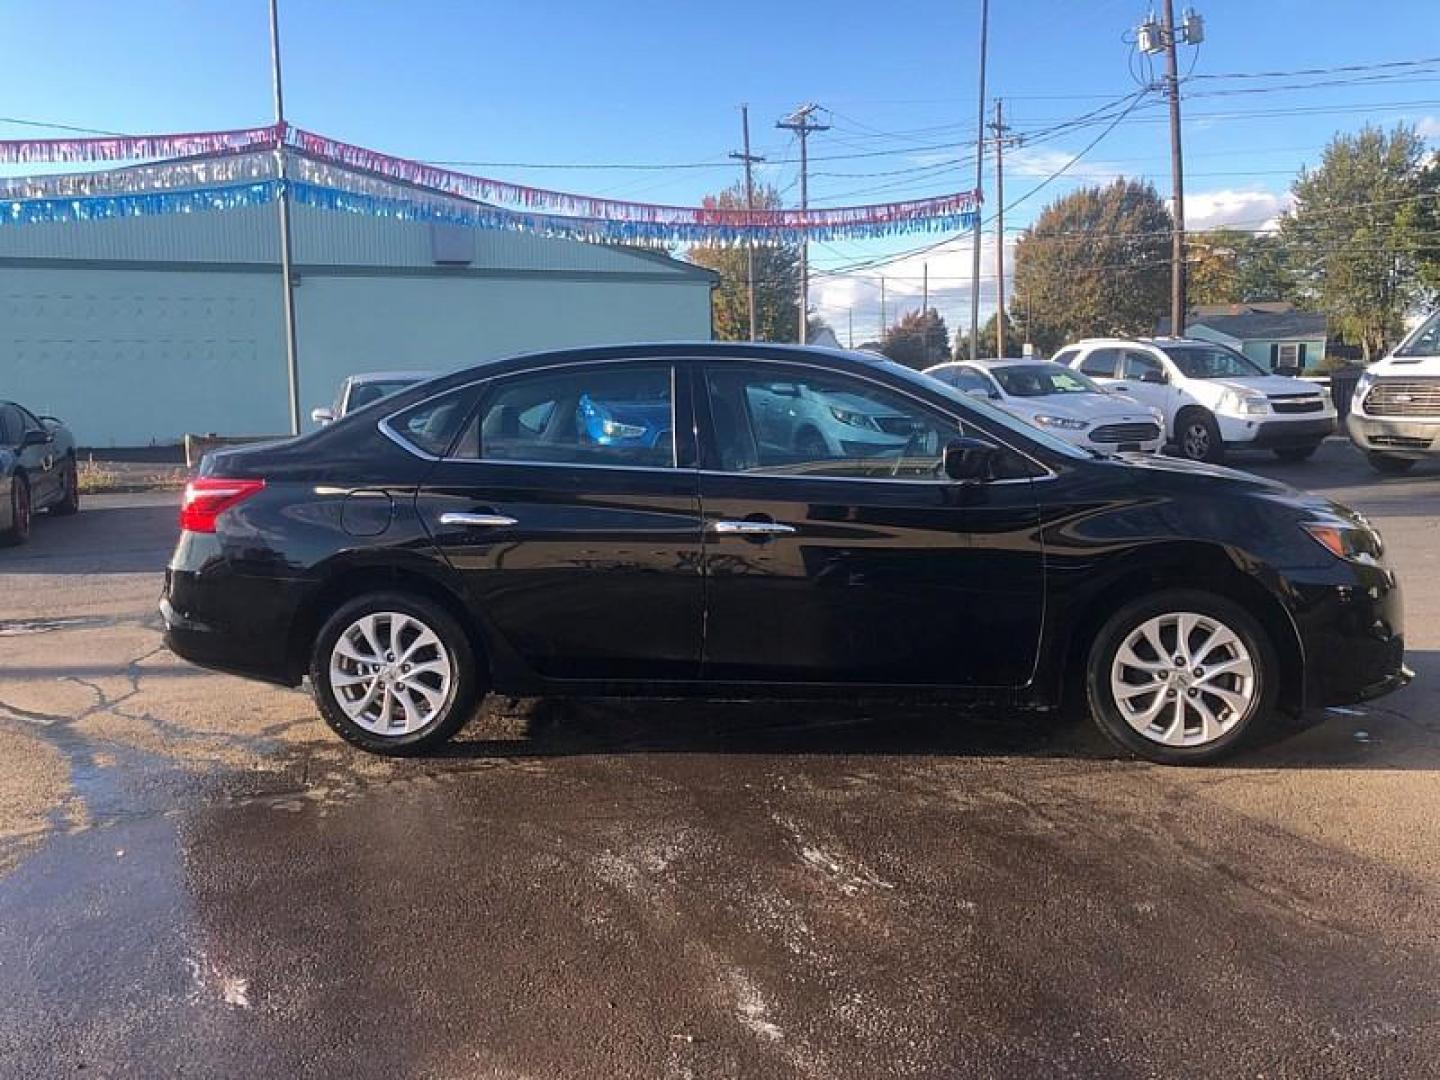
618 82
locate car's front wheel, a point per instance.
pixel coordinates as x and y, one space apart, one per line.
1181 677
69 502
20 511
1198 436
394 673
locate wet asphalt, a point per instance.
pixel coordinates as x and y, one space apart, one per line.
197 879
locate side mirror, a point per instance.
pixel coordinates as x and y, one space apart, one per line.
36 437
322 416
970 461
1155 378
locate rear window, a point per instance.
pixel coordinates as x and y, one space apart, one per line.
434 426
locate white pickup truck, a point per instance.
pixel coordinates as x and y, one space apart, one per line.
1395 414
1213 397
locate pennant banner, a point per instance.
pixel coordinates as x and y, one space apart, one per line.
141 179
480 189
103 207
136 147
605 230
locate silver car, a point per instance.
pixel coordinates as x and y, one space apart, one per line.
357 391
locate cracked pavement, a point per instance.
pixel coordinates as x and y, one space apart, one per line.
197 879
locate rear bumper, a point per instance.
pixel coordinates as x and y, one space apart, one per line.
1276 433
1401 438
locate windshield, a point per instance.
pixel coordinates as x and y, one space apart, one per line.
1211 362
1041 380
983 408
1425 341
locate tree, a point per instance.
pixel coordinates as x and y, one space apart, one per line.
1226 266
918 340
777 277
1357 237
1095 262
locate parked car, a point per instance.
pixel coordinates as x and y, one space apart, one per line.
37 470
357 391
1065 402
1213 397
1395 413
450 553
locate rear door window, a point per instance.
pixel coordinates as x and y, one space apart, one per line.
1101 363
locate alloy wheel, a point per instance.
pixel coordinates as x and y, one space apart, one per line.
1183 679
390 673
1197 442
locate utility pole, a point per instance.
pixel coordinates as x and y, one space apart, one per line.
850 323
979 185
924 307
882 307
1151 39
291 356
801 124
1000 129
749 159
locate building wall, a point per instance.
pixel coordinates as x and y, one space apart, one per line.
133 357
1259 350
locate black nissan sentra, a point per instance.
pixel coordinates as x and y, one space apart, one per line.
754 521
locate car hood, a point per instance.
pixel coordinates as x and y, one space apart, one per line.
1177 476
1106 408
1267 384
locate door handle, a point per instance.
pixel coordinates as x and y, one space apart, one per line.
477 521
750 528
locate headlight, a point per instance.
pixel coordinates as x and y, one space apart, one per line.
1065 423
1346 540
854 419
1362 386
616 430
1244 403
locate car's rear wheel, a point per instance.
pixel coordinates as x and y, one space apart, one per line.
69 490
1181 677
394 673
1296 453
1389 464
20 512
1198 436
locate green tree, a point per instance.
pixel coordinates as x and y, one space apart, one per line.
918 340
1095 262
1358 235
777 277
1226 266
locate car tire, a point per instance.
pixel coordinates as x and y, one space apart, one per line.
1189 719
70 490
1296 453
375 698
1197 437
21 513
1389 464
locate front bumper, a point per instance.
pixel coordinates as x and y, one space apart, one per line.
1402 438
1353 635
1275 433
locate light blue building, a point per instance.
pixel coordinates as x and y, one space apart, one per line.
138 330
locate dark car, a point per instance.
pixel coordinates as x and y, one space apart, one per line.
37 470
433 548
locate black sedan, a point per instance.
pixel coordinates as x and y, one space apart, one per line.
748 520
37 470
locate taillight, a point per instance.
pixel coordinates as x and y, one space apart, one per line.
207 497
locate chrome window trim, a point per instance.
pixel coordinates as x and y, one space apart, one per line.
675 361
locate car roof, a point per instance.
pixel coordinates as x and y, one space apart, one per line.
1152 341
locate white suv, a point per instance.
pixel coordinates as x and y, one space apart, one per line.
1212 396
1395 415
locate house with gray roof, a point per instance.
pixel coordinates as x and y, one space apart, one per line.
1273 334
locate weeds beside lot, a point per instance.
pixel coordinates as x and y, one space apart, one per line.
96 477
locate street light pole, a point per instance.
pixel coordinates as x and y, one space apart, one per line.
292 362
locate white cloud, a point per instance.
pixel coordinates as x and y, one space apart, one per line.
1428 128
1241 209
